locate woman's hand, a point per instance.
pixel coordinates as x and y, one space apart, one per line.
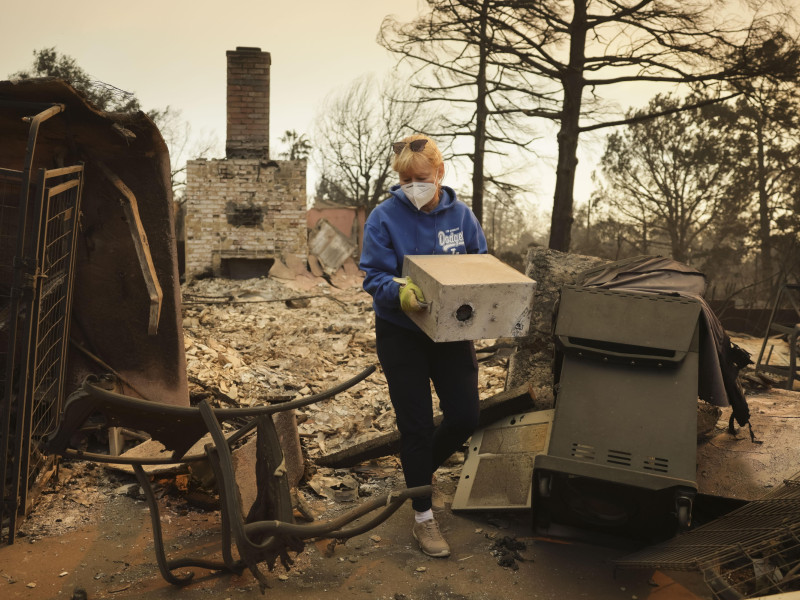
411 297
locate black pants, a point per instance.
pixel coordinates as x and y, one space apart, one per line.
410 361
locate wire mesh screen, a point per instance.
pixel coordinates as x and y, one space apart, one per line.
60 195
36 287
752 551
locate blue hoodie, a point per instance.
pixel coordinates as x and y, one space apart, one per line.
396 228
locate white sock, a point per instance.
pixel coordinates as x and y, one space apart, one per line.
427 515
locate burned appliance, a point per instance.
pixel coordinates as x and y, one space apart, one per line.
621 457
88 270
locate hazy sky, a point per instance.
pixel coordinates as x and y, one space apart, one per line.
172 52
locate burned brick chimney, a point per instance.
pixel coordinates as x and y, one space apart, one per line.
245 211
248 103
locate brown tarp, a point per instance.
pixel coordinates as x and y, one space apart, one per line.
720 360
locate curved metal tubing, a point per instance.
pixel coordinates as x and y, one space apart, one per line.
280 535
232 413
391 502
121 460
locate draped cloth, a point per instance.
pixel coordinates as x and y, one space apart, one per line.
720 359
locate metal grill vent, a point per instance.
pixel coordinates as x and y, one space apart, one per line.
619 457
752 551
654 463
583 451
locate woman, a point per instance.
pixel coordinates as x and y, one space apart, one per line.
421 216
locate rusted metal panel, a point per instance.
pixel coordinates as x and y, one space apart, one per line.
330 246
112 305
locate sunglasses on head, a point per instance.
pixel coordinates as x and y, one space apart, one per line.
415 146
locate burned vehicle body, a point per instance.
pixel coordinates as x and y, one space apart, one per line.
123 281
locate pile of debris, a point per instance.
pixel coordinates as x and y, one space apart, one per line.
266 340
259 341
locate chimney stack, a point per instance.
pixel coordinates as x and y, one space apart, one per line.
248 103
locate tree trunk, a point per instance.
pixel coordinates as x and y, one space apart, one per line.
480 119
678 251
508 402
764 220
572 82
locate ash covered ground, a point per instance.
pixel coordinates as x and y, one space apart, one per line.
257 341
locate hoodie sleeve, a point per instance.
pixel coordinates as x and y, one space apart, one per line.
475 240
379 262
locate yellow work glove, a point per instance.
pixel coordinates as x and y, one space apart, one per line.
411 296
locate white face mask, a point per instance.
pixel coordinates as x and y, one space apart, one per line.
419 192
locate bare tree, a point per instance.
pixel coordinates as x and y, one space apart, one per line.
297 145
552 58
183 145
584 46
177 132
671 177
354 135
505 218
766 122
450 49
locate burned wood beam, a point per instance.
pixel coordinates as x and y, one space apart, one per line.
509 402
131 209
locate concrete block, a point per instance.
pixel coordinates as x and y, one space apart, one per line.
244 467
470 296
245 459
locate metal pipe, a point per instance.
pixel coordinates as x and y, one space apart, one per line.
390 501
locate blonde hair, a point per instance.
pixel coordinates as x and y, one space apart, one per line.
408 160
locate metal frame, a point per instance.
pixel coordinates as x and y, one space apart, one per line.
39 299
752 551
267 532
788 292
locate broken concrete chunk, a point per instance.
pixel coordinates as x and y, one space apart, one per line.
281 271
339 489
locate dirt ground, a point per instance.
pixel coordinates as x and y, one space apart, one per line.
260 340
106 550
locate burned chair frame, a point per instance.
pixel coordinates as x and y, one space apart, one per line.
267 532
